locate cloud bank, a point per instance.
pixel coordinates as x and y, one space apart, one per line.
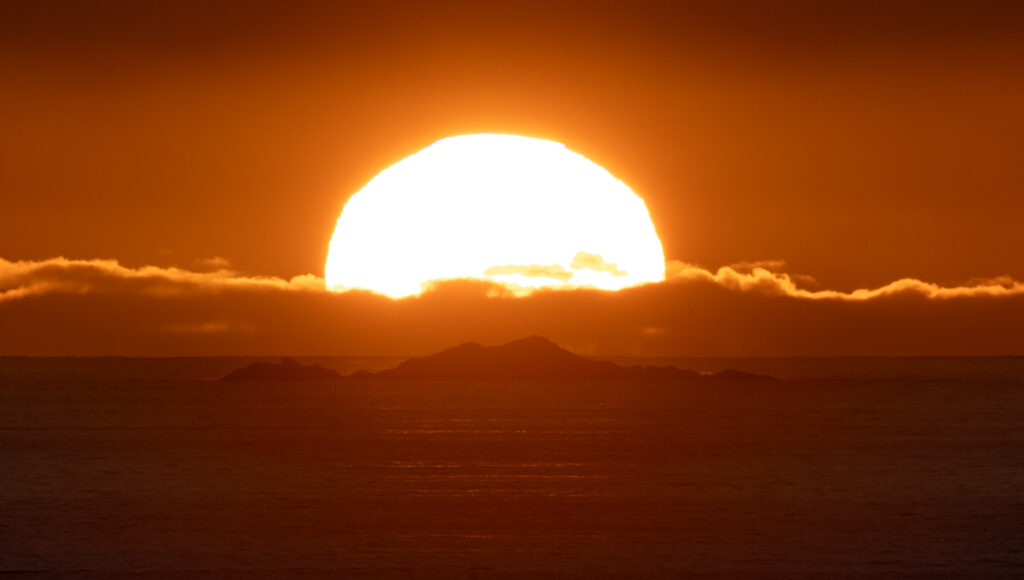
62 275
554 271
761 279
585 261
20 279
97 307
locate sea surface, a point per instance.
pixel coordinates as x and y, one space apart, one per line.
147 468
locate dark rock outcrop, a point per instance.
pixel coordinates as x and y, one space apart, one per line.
529 359
286 370
534 358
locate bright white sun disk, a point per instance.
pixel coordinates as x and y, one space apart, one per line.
516 210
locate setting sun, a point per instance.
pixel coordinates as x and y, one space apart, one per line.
524 212
524 289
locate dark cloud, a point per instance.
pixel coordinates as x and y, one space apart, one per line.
100 307
210 327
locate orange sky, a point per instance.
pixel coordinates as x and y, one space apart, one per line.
861 143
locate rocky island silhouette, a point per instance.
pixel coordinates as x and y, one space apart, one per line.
286 370
529 359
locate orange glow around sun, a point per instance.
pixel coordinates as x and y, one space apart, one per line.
527 213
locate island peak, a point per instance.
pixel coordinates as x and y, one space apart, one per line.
288 369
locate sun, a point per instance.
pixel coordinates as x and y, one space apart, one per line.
527 213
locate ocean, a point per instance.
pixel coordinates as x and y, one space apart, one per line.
850 467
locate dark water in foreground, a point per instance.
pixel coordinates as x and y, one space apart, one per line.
893 473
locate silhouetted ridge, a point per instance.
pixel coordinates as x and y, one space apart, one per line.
529 358
532 358
286 370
